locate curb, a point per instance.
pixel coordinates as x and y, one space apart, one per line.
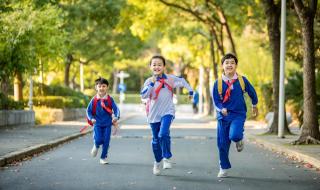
285 151
29 151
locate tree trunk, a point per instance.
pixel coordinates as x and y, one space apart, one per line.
207 98
214 63
273 17
115 81
225 24
68 62
219 44
310 128
5 86
18 87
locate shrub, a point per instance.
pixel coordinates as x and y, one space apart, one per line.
6 103
60 101
294 93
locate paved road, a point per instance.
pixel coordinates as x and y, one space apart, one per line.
195 164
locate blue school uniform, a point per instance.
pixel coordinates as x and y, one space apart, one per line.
103 125
231 127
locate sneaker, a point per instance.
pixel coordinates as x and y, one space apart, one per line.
167 163
94 151
239 145
103 161
156 168
222 173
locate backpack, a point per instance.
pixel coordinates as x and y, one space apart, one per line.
241 81
107 108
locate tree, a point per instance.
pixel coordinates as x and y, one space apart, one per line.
89 26
27 33
272 12
310 130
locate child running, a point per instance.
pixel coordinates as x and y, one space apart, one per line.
158 89
228 98
99 114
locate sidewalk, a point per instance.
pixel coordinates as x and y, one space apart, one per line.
309 155
17 143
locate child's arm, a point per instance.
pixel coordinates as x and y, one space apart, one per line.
251 92
216 98
253 95
181 82
147 89
115 109
89 110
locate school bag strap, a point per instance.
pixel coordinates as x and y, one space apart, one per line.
241 81
94 105
109 106
242 84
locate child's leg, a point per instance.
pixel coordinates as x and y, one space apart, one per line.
155 141
106 141
164 136
224 143
97 136
236 129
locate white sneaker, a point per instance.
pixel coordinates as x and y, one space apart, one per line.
239 145
94 151
103 161
156 168
222 173
167 163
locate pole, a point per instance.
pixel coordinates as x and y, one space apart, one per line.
282 68
81 78
30 103
201 72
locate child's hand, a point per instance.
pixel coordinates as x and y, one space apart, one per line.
153 78
255 111
115 126
190 98
115 122
224 111
93 121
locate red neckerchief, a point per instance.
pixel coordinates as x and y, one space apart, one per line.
103 105
162 82
228 92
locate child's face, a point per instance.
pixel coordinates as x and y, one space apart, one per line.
157 66
102 89
229 66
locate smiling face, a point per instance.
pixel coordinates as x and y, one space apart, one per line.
102 89
229 67
157 66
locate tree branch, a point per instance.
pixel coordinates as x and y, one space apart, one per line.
194 13
299 6
97 56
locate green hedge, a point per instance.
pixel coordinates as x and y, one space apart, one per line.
53 90
60 101
6 103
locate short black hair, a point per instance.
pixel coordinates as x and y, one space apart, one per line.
158 57
229 56
101 80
